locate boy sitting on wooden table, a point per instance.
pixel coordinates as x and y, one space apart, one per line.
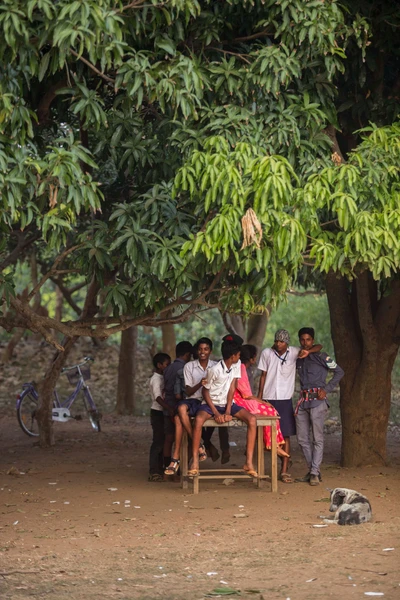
218 390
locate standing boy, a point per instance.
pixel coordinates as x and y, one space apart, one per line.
218 402
313 406
278 372
156 383
183 353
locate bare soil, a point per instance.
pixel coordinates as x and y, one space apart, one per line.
65 534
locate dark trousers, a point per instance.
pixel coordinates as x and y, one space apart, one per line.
156 460
223 437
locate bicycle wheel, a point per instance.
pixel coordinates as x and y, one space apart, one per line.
93 414
27 406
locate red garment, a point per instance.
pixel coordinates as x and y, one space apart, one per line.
243 397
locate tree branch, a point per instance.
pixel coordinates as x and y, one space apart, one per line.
241 56
23 242
92 67
53 271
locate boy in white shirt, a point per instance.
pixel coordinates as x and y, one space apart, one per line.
188 392
156 384
218 402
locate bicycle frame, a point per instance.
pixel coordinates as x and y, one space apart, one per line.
61 408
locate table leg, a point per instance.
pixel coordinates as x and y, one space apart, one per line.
260 454
196 484
184 460
274 459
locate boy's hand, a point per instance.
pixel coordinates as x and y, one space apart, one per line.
219 418
303 353
204 381
227 418
171 412
321 394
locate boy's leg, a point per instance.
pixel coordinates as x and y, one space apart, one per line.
183 413
201 418
178 438
303 434
173 466
169 433
251 422
211 449
317 418
223 433
156 449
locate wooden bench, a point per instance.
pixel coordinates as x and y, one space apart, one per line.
223 472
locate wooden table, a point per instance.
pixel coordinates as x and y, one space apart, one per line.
223 472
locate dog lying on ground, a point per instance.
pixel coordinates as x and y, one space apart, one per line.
350 507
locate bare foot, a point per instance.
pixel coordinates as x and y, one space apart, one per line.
280 452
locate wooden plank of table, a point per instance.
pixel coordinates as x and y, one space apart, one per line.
274 459
184 460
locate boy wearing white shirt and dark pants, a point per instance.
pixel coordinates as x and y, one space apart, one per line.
218 402
156 384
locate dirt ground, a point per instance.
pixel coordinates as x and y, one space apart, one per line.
65 534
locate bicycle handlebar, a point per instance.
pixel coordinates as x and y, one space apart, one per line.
85 360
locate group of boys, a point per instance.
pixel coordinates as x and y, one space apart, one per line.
204 389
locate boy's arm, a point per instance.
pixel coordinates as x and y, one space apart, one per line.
303 353
338 373
193 389
261 384
206 395
161 402
229 398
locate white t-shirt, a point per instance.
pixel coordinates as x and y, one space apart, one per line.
219 379
281 373
193 373
156 384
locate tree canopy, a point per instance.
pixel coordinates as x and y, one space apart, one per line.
104 102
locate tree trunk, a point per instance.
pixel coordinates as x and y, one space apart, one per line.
252 331
45 390
168 340
256 328
47 385
127 372
365 331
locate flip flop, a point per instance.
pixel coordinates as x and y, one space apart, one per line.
250 472
193 472
286 478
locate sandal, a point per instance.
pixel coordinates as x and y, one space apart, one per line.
193 472
250 472
172 469
202 453
155 477
286 478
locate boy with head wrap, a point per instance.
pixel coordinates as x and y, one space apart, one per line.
278 372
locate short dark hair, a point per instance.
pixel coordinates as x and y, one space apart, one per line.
204 340
160 358
247 352
183 348
229 348
307 330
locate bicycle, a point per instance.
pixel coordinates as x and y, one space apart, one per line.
28 401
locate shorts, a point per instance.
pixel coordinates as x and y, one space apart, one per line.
221 409
192 405
286 413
